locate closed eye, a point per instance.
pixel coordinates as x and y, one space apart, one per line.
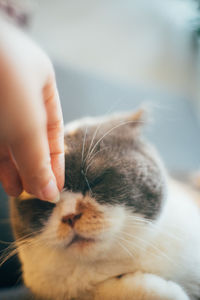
97 181
105 177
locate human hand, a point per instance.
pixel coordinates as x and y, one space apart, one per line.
31 122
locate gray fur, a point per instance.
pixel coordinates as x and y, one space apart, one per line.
112 163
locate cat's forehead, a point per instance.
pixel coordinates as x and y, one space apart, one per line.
76 125
88 145
88 131
114 131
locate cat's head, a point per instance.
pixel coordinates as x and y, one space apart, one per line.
114 183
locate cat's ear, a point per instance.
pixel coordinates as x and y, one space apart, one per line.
138 118
126 122
133 120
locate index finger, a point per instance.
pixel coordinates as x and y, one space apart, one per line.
55 130
30 150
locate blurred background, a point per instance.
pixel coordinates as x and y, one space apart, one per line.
114 55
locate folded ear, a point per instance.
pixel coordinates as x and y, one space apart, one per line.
138 118
121 120
126 122
134 120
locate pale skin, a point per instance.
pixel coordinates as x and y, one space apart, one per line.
31 122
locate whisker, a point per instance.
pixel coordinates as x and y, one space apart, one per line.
5 243
4 258
98 127
125 240
108 132
149 244
156 227
93 137
91 158
87 181
83 147
13 247
125 249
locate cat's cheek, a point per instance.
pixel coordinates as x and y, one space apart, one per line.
117 217
63 232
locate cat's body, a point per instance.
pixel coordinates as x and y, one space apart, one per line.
122 230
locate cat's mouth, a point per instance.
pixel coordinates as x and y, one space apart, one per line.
77 239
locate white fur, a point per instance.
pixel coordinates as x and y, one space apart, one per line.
72 126
140 286
159 261
170 249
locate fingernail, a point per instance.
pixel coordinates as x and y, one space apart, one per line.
50 192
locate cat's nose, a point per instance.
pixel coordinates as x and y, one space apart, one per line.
71 219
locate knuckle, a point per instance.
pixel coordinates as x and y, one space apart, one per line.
56 145
57 125
56 132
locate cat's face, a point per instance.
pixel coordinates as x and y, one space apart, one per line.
112 183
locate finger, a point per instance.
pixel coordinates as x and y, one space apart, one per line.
55 131
30 150
8 173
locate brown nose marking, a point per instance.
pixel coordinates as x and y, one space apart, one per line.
71 219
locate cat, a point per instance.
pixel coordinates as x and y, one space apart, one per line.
122 230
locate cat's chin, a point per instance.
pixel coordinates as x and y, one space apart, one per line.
79 241
78 244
